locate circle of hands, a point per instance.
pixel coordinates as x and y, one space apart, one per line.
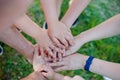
47 65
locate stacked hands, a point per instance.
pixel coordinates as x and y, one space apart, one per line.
56 42
55 52
46 70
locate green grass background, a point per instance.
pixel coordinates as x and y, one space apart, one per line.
14 66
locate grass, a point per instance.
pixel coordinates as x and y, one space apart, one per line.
14 66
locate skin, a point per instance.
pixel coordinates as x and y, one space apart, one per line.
8 32
106 29
60 35
96 66
34 76
45 72
40 35
75 9
12 34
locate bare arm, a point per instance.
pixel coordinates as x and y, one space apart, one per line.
98 66
58 32
106 29
105 68
34 76
50 10
28 26
74 11
13 38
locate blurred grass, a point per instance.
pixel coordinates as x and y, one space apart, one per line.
14 66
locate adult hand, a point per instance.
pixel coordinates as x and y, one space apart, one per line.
72 62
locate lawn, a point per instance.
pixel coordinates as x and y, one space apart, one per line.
14 66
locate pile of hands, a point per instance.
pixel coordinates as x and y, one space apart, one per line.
55 52
57 42
46 69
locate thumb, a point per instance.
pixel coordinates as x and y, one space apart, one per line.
36 51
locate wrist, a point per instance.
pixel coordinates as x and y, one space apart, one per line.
39 34
83 38
88 63
28 52
65 23
52 23
84 58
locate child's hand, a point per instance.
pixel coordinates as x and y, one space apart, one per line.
72 62
37 59
79 42
77 78
60 35
47 72
46 44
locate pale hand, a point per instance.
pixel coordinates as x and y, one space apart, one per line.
79 42
47 72
72 62
61 35
37 59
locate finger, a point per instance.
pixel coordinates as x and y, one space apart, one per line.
60 56
78 78
50 53
64 42
52 47
55 53
47 59
63 52
70 40
36 51
44 74
42 52
57 64
57 43
67 78
61 68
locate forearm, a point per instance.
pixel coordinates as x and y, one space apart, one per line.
58 76
32 76
105 68
13 38
74 11
28 26
106 29
50 11
102 67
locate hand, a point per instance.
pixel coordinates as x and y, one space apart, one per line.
75 78
46 44
37 59
35 76
79 41
47 72
60 35
72 62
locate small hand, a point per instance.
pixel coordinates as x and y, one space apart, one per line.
72 62
77 78
37 59
47 72
78 43
46 44
61 35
